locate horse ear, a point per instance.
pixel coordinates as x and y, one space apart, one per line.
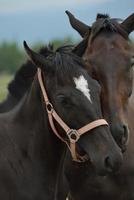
78 25
36 58
128 24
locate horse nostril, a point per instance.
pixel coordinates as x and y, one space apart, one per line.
108 164
125 135
112 163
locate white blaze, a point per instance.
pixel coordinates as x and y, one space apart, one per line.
82 85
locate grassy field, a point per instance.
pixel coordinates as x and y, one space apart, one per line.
4 80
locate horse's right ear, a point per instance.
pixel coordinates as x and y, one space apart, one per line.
36 58
79 26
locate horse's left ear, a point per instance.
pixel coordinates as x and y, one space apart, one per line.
128 24
36 58
77 24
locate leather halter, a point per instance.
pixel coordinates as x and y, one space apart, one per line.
72 134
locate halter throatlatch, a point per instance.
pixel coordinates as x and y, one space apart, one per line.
72 134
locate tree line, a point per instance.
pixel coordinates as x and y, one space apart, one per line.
12 56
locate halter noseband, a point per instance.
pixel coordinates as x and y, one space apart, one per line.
72 134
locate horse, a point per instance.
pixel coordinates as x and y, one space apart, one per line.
21 82
109 58
60 106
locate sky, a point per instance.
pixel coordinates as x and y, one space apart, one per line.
44 20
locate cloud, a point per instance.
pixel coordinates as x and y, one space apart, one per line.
17 6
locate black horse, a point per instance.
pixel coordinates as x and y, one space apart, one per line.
31 155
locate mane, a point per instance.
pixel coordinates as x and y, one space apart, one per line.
103 23
104 16
25 75
64 63
80 48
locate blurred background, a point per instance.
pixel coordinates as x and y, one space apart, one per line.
40 22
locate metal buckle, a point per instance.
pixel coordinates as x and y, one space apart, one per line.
49 107
73 135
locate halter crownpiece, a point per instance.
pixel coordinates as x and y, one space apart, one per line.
72 134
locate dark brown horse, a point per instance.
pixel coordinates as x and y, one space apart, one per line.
31 155
109 58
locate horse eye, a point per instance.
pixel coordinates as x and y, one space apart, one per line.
63 99
132 62
61 96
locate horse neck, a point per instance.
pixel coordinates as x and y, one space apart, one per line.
43 145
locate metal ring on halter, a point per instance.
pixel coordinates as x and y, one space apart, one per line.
49 107
73 135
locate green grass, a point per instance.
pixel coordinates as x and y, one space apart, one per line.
4 80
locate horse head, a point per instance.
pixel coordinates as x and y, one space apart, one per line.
75 98
109 58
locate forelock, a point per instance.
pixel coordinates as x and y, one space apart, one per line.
102 16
